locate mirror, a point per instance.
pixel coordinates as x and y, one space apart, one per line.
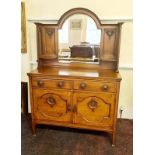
79 40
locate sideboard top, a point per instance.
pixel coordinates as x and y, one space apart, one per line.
76 73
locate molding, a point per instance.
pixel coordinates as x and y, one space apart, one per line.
106 20
122 66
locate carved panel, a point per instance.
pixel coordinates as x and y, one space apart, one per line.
47 48
94 109
49 31
52 106
109 43
109 33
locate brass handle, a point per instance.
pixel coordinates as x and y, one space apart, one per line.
60 84
82 85
92 104
51 101
40 83
105 87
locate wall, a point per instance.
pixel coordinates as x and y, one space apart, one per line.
108 11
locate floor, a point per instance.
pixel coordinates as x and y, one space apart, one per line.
64 141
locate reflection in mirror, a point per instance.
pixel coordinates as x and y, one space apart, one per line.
79 40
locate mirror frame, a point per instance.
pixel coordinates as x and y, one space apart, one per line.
74 11
47 42
81 11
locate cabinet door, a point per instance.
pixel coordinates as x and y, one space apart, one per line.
52 105
94 109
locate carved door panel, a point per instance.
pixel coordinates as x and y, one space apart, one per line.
110 45
52 105
47 42
94 109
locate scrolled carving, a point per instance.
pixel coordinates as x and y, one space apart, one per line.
49 31
92 104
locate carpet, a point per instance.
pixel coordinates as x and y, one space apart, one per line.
51 140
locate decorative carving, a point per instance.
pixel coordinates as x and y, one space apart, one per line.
93 103
50 99
81 99
110 33
49 31
39 29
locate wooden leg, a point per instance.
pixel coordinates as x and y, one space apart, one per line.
113 139
33 128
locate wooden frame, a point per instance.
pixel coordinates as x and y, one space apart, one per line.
23 29
75 24
79 87
109 43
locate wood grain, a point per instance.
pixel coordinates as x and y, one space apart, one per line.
76 95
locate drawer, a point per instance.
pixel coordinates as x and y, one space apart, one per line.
95 86
51 83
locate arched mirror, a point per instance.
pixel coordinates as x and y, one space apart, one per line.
79 40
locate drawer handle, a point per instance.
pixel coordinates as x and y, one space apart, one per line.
105 87
60 84
40 83
51 101
82 85
92 104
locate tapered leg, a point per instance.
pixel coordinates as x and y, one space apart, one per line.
113 139
33 128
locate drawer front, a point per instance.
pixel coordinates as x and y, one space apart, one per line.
51 83
95 86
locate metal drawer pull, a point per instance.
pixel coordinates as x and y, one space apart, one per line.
82 85
105 87
40 83
51 101
60 84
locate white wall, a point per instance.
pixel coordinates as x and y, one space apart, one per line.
110 10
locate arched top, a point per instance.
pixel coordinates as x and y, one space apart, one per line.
79 11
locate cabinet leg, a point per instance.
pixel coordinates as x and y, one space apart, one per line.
33 128
113 139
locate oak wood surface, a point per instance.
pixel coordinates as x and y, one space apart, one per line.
76 95
47 38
